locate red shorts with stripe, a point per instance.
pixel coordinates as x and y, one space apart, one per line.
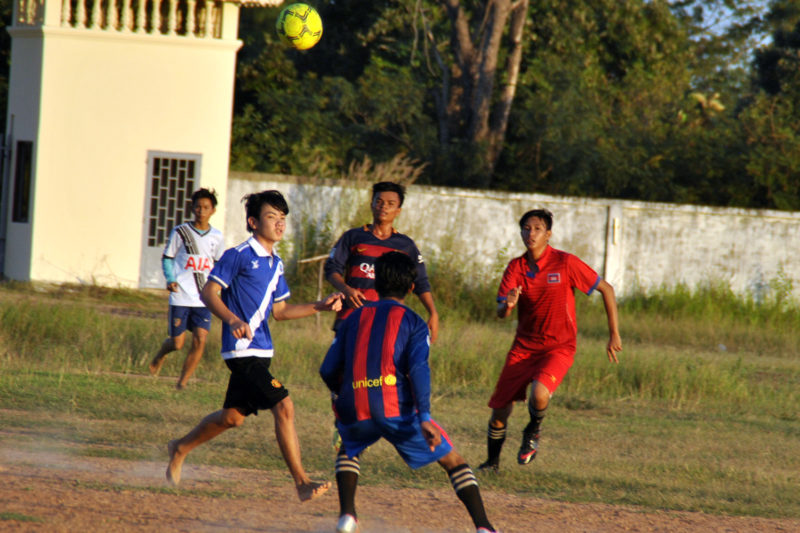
548 366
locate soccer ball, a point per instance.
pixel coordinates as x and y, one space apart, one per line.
299 26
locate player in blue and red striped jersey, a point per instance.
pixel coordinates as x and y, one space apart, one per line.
350 267
377 370
243 288
541 284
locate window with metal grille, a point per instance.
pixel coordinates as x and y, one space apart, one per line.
172 182
22 182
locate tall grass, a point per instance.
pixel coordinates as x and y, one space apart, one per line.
700 414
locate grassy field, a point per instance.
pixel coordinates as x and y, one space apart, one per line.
701 413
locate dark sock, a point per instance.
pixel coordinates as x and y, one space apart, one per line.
466 486
495 439
535 424
347 471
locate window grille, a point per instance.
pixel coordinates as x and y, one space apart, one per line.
172 182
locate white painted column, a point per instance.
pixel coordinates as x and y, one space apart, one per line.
614 269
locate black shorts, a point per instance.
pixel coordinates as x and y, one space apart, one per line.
251 387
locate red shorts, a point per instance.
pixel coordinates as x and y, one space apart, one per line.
548 366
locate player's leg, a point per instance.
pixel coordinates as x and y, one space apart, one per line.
169 345
510 387
551 368
495 437
289 444
208 428
176 330
347 472
199 336
538 401
466 487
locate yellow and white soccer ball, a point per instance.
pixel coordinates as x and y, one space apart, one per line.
299 26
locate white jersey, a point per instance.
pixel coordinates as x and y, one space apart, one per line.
194 254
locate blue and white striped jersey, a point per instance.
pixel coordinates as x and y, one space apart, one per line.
252 280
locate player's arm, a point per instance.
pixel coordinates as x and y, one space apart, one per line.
353 296
286 311
419 376
168 267
422 288
433 316
168 260
334 272
610 303
505 307
211 297
333 365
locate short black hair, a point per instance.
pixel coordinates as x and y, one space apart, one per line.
395 273
389 186
255 201
543 214
211 194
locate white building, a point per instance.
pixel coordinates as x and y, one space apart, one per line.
117 111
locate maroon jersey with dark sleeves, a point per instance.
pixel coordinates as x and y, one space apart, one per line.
354 254
546 306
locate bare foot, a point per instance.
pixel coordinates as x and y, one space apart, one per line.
180 386
156 364
175 463
312 489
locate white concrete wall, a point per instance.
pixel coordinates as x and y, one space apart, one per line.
23 122
98 104
632 244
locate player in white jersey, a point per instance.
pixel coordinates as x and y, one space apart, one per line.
243 289
189 255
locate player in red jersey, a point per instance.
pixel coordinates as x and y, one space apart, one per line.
351 264
541 284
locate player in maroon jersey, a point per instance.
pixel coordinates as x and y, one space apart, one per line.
541 284
351 264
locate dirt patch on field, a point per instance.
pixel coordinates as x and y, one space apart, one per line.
43 491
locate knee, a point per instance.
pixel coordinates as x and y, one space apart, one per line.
451 460
199 336
284 410
540 400
497 423
500 417
177 342
232 418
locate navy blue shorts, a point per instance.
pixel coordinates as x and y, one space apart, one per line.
251 386
405 435
182 318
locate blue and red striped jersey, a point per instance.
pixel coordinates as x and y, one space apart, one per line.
354 254
378 364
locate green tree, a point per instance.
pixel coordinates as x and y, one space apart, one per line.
352 96
772 119
599 100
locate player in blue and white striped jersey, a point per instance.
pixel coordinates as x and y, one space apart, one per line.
245 286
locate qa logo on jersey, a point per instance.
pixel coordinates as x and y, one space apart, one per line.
554 277
368 270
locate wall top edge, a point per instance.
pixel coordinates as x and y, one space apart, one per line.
85 34
634 205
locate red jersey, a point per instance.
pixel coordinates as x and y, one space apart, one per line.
546 307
